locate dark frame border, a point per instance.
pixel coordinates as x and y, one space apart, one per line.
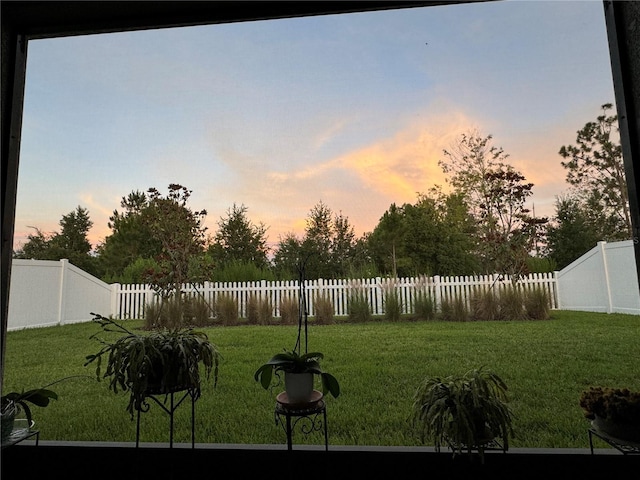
24 20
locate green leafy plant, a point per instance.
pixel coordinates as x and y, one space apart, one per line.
463 412
162 361
293 362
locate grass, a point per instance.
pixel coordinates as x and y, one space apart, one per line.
380 364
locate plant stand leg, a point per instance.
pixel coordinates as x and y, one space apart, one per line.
326 434
171 423
193 419
138 430
289 434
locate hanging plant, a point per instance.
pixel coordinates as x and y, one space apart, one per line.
163 361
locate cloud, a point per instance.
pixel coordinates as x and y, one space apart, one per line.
361 183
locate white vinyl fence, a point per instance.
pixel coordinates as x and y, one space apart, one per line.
604 279
51 292
132 299
47 293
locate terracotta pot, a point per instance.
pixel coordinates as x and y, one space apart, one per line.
299 386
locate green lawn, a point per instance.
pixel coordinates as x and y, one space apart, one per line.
546 365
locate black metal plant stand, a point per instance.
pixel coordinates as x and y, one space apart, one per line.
626 447
170 410
311 416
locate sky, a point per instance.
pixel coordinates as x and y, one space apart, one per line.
350 110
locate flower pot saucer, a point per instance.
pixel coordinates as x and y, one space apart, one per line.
283 399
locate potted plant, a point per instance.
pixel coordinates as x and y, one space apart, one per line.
465 412
613 411
299 371
12 403
160 362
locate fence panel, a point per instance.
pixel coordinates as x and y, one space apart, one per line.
133 298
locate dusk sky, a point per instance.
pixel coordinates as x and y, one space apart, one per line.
352 110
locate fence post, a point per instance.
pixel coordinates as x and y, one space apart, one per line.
554 290
115 301
438 293
605 267
379 301
64 266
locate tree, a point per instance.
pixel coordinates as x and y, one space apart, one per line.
182 237
75 228
434 236
131 240
343 245
327 249
469 162
456 246
317 241
596 169
70 243
386 242
287 255
239 240
36 247
496 194
571 234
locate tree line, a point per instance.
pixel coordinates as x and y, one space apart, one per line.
479 225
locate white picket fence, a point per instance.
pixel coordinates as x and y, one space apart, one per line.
131 300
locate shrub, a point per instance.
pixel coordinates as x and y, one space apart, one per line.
446 310
259 311
536 304
289 310
424 307
197 312
392 304
484 305
512 304
541 265
358 306
167 313
252 310
152 314
239 271
227 309
454 309
265 311
323 309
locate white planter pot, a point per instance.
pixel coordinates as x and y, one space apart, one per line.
299 386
